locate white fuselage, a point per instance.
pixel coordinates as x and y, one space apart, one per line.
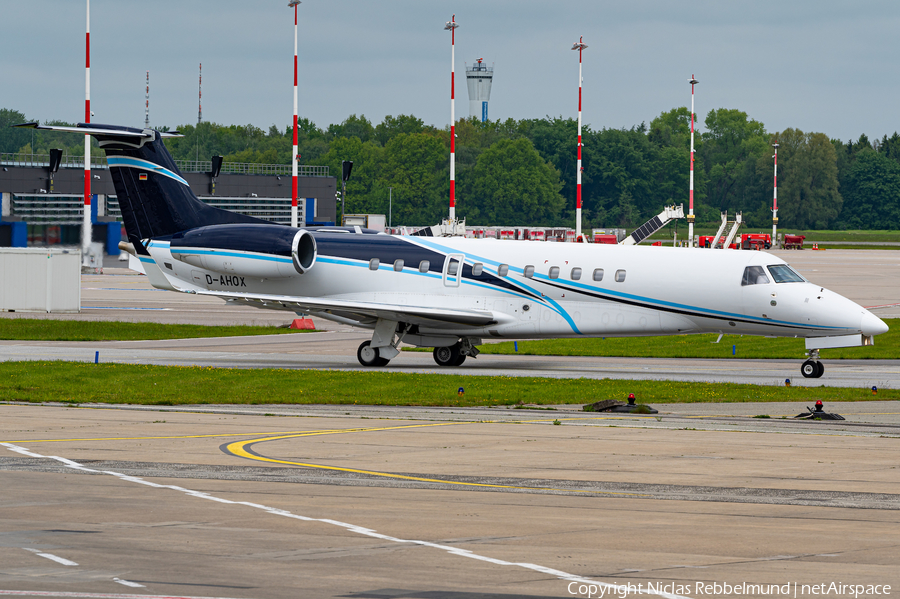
643 290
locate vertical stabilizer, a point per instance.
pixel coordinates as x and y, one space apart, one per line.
154 197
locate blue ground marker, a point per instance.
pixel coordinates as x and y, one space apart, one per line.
516 345
96 357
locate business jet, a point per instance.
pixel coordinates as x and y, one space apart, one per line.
451 293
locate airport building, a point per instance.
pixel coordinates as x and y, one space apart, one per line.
478 79
43 196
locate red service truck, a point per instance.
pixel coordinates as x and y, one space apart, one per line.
706 241
605 238
756 241
793 242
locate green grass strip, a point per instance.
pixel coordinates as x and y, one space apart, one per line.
811 236
887 347
77 382
33 329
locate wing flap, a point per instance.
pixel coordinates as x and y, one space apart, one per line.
356 310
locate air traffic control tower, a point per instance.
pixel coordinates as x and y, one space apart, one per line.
478 79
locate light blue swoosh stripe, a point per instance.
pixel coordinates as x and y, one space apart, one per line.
648 301
549 303
126 162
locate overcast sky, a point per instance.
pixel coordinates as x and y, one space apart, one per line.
817 65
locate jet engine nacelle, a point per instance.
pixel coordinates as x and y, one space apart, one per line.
263 251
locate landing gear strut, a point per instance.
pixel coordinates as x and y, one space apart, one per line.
383 347
812 368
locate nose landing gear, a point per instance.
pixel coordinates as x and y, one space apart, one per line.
812 368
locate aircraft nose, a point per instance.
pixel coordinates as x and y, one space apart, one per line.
872 325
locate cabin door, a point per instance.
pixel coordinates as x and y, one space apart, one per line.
453 267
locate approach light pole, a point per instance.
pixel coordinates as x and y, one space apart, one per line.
690 218
86 222
293 4
775 196
452 25
580 46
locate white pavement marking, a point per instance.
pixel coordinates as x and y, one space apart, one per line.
50 556
128 583
614 588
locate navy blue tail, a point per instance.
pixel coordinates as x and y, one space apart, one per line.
154 197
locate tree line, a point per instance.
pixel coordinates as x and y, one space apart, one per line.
523 172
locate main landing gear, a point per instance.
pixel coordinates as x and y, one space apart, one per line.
383 347
369 356
812 368
387 336
455 355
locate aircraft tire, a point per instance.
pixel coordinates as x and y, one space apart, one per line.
447 356
368 356
810 369
460 360
820 370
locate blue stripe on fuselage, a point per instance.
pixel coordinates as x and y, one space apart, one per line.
636 300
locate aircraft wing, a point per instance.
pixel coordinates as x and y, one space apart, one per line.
364 312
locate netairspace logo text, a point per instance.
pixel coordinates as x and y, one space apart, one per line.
724 589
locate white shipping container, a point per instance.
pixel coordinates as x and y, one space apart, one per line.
40 280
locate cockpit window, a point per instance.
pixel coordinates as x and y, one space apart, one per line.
782 273
754 275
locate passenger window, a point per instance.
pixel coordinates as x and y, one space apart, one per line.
554 272
576 274
453 267
754 275
529 271
503 270
620 276
398 264
477 269
373 263
598 274
424 265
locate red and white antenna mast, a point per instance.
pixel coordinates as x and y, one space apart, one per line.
200 96
690 217
452 25
580 46
86 223
775 197
147 104
294 158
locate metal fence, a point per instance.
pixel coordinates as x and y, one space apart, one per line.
185 166
53 209
49 209
43 160
251 168
276 210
